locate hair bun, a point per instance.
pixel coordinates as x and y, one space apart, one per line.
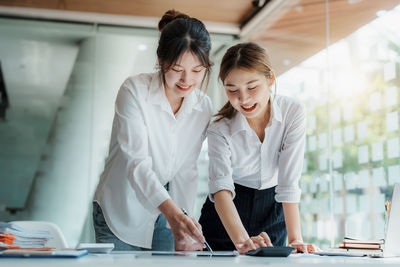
169 16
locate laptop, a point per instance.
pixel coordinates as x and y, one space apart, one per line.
392 238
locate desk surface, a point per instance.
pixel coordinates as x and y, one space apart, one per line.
132 259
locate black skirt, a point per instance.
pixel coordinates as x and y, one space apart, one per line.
258 211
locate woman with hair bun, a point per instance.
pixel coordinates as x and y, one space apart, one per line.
158 129
256 151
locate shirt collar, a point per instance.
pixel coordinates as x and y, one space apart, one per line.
239 122
157 96
276 111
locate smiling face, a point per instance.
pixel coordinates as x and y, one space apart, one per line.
183 77
248 92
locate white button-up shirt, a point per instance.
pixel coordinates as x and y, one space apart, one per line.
238 156
150 147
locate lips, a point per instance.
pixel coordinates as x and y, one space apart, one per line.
249 108
184 87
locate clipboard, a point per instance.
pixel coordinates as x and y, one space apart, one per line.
24 253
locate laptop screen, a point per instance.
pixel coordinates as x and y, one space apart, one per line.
392 239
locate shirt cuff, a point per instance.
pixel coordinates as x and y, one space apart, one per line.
221 183
288 194
159 198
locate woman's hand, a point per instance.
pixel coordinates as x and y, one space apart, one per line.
186 230
247 245
254 242
262 240
301 247
187 234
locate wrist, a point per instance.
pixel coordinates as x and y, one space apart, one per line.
169 209
240 238
296 241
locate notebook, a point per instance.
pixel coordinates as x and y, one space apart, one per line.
392 237
62 253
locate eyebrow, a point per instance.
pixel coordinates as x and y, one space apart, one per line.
201 65
231 85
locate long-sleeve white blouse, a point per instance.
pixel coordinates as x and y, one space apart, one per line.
238 156
150 147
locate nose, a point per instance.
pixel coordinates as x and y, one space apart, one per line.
184 77
243 97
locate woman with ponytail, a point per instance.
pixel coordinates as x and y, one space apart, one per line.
159 126
256 150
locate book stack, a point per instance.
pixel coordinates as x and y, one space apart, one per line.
356 244
13 236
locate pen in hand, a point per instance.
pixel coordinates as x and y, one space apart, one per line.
205 242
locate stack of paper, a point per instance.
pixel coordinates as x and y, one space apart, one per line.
13 236
351 243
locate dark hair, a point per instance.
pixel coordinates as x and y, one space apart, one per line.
248 56
181 33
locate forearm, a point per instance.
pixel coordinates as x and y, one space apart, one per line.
169 209
229 216
292 220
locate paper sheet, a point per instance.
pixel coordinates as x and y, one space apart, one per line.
392 121
394 174
391 96
377 151
337 136
393 148
362 130
337 159
378 175
349 133
363 155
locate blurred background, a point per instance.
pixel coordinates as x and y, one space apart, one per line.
62 62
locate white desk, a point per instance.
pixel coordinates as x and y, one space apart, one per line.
133 259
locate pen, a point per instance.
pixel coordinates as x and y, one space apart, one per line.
205 242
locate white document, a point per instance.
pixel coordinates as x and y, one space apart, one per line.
389 71
375 101
323 161
378 175
304 166
335 115
338 205
377 151
363 179
323 185
322 141
349 133
312 143
337 137
350 180
363 155
351 203
392 121
362 130
313 186
325 206
379 203
394 174
303 186
337 181
393 148
391 96
347 112
337 159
